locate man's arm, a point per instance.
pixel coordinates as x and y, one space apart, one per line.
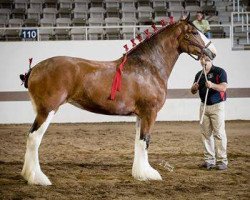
221 87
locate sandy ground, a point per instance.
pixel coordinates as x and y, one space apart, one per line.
94 161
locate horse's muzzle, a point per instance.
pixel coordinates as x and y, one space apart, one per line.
209 53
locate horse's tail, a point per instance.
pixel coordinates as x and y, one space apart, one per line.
25 77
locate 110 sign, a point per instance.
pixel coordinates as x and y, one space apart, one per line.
29 34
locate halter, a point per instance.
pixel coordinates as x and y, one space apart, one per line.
204 50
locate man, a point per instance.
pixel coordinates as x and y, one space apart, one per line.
202 24
213 127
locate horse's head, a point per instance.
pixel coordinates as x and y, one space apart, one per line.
193 42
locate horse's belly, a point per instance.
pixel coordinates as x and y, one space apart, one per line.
108 108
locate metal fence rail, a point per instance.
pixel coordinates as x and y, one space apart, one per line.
86 30
240 37
237 31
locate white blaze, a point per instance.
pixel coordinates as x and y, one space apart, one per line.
211 47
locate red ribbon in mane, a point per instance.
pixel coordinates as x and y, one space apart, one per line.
116 85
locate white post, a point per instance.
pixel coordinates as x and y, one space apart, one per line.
238 9
86 33
242 21
38 34
247 28
232 29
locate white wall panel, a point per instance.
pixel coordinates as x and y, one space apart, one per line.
14 60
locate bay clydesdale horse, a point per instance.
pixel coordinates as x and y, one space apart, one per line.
86 84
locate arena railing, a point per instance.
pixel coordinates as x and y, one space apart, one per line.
134 32
240 38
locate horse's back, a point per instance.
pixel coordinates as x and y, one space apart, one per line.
62 67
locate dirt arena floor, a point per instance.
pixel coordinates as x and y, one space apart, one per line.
94 161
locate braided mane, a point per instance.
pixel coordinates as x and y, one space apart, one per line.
150 40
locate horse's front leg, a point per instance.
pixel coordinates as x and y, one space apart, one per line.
141 168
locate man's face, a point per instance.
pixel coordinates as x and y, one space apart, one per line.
199 16
206 62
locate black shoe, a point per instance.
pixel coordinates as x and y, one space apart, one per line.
207 165
221 166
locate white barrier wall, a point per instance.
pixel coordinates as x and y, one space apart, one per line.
14 61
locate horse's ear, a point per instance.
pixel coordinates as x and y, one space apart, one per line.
188 17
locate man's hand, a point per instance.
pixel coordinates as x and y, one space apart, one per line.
195 88
209 84
221 87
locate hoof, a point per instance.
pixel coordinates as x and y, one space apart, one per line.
36 178
145 174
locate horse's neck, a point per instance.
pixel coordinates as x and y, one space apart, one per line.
165 56
171 54
160 53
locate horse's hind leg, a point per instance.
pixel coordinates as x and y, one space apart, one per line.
31 169
141 168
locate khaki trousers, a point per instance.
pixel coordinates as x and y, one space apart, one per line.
213 133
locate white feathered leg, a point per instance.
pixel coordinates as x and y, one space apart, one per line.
31 169
141 168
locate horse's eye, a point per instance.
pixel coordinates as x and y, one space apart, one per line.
195 33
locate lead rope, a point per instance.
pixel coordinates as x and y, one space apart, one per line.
205 103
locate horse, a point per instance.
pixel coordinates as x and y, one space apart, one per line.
86 84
